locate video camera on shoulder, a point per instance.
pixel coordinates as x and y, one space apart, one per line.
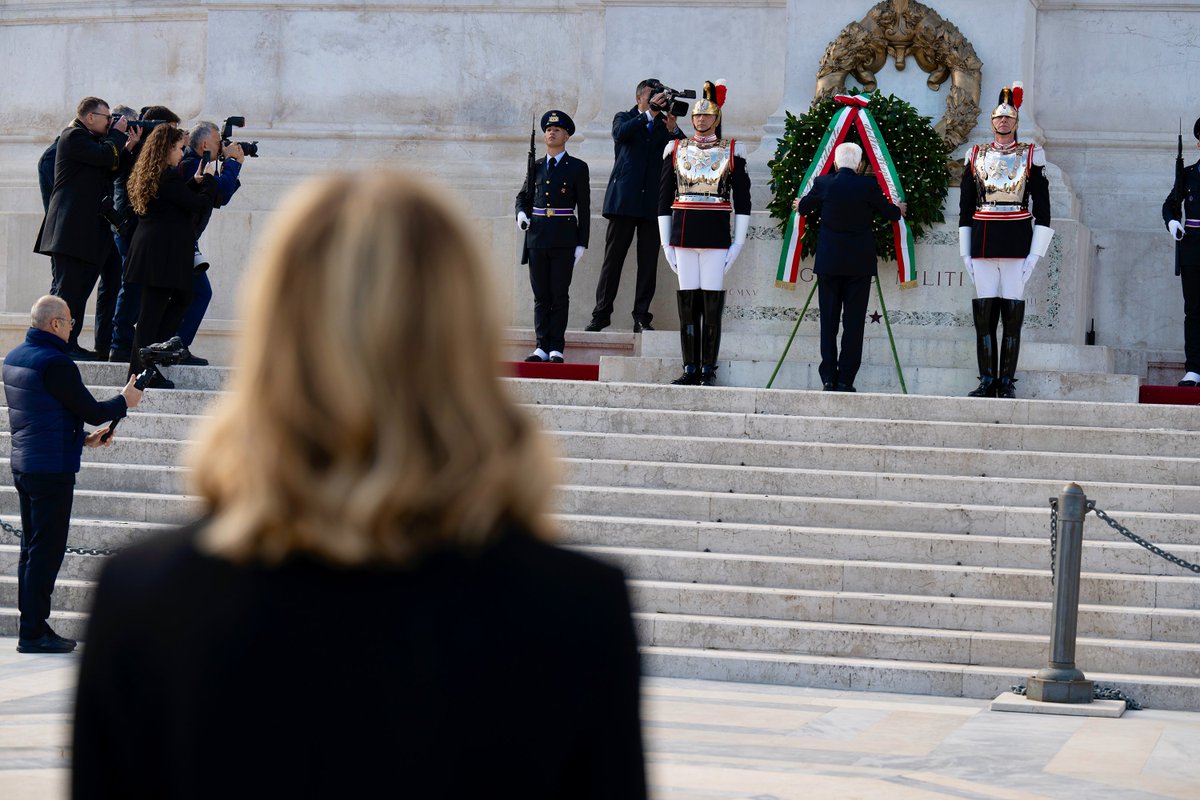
671 103
249 148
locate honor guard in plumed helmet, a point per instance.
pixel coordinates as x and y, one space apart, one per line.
1010 101
560 120
711 99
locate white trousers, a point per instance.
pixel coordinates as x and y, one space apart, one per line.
999 277
701 269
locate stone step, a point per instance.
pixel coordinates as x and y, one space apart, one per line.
905 408
882 675
1119 557
136 425
947 461
70 595
114 376
1173 659
123 506
935 380
794 481
582 347
824 512
167 401
71 624
949 613
834 575
126 477
126 450
957 352
879 432
74 567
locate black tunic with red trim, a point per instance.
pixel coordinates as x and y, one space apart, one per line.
1003 238
702 229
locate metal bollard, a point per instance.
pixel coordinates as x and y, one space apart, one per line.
1061 681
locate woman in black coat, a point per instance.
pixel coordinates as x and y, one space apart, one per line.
160 256
372 606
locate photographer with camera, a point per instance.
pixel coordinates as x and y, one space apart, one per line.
206 139
74 233
48 405
161 253
129 297
630 201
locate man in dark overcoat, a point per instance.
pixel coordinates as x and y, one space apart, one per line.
631 203
91 152
845 260
556 218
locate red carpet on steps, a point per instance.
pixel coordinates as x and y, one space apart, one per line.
561 372
1170 395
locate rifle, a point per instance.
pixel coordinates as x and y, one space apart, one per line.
1180 190
530 189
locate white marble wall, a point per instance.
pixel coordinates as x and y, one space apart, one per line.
450 89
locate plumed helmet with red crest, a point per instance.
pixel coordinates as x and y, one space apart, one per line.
711 99
1010 101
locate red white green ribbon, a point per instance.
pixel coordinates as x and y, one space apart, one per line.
855 114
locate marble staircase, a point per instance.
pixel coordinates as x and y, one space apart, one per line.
861 541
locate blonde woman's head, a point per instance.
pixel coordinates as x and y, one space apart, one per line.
365 419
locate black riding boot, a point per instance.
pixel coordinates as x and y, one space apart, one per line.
986 312
690 308
1013 314
710 336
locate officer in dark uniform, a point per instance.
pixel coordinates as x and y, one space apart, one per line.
1185 227
555 217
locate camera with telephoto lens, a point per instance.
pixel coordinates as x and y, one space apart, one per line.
146 125
671 104
249 148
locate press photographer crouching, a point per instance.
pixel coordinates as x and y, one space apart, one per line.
207 139
168 206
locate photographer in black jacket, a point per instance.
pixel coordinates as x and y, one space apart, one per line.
90 153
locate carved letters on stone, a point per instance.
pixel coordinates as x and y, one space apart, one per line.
901 28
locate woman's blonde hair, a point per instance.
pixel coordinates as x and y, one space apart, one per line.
365 419
142 185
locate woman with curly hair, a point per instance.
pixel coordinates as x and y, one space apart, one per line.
160 255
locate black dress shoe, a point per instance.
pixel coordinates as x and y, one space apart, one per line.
77 353
596 325
829 386
160 381
638 327
556 359
534 358
46 643
119 356
193 361
1186 383
845 387
58 638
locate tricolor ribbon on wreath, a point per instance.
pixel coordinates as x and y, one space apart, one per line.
855 114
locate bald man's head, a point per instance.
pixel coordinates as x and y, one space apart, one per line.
47 309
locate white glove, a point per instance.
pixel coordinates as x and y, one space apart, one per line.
1176 229
969 263
664 236
578 255
522 220
741 224
1027 267
731 255
669 252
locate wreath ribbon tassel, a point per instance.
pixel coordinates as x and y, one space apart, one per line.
855 114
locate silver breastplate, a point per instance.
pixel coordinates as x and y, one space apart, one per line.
1002 176
704 174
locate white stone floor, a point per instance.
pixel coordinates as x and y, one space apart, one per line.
708 739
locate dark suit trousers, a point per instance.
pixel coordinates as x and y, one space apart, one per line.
45 501
106 300
162 311
74 280
616 245
842 296
550 270
1189 274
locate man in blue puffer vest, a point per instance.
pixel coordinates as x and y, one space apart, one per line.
47 407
